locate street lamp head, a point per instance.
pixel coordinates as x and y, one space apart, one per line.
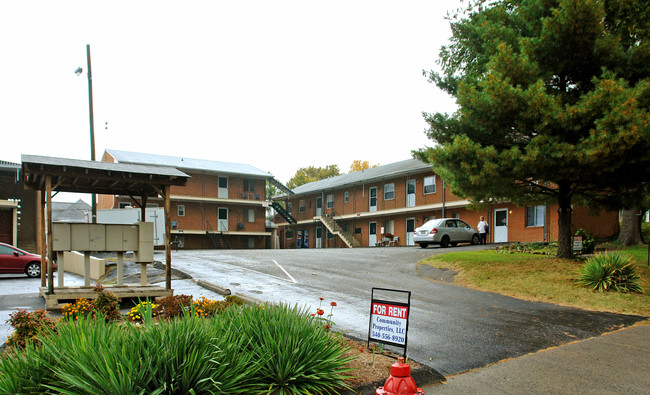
78 71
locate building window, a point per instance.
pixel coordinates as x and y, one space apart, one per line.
346 197
289 234
389 191
249 185
289 207
301 206
330 236
330 201
455 215
389 226
223 182
429 185
181 210
249 215
535 215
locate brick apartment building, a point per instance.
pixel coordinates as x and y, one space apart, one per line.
364 207
223 204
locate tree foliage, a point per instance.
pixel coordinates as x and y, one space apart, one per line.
358 165
305 175
554 101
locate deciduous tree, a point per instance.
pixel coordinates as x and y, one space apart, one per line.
553 104
358 165
312 173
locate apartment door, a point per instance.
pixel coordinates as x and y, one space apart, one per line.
222 225
223 188
372 192
319 237
410 229
372 234
500 225
319 206
410 193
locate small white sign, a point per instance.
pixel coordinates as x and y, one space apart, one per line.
388 323
577 243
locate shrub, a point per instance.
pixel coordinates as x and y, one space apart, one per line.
173 306
80 308
29 327
106 303
144 311
610 272
205 307
588 242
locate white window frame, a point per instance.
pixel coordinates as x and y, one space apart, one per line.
537 211
389 191
346 197
180 211
431 182
330 201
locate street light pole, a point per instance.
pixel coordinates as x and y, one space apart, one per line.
92 125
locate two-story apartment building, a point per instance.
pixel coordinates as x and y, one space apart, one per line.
365 207
221 206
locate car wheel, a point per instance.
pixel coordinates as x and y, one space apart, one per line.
475 239
33 269
423 245
444 243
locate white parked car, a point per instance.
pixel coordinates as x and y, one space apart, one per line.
445 231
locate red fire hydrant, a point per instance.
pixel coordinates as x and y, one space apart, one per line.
400 381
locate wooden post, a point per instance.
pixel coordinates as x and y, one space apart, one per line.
42 240
120 268
60 263
87 268
50 240
168 228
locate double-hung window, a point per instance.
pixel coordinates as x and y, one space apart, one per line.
181 210
301 206
249 215
535 215
429 185
346 197
330 201
389 191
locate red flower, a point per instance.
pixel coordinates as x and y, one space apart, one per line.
321 298
327 327
332 303
313 315
320 311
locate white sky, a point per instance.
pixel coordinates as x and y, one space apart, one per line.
276 84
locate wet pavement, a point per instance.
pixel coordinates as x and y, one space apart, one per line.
452 329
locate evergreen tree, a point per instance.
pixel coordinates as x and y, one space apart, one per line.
554 101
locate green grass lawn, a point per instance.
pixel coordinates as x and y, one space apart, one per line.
543 278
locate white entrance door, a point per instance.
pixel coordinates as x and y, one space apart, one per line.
410 194
500 226
410 228
372 192
372 234
319 237
319 206
222 226
223 188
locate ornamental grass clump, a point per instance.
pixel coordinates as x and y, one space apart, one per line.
610 272
243 350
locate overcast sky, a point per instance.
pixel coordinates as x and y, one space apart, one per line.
276 84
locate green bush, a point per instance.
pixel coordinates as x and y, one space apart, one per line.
29 327
610 272
588 242
243 350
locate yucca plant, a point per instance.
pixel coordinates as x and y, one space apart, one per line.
610 272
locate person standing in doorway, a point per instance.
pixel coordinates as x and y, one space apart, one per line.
483 230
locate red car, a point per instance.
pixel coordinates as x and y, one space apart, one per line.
15 260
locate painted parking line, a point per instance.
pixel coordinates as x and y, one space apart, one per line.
285 272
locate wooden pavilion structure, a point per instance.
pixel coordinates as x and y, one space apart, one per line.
140 182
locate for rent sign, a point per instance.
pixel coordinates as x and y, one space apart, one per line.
389 319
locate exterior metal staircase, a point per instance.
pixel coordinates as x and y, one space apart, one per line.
283 213
218 240
336 229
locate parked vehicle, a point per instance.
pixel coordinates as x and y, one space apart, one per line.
445 231
15 260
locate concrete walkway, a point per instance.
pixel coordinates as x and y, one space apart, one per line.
614 363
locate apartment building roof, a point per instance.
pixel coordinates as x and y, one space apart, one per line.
405 167
186 163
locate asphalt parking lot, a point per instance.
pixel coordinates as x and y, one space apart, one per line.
451 328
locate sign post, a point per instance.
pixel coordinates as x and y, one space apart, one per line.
389 318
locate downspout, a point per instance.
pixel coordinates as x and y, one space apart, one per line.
443 199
